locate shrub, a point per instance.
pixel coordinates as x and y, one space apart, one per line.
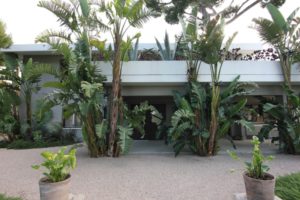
58 165
24 144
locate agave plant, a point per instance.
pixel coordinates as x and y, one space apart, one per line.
283 35
121 16
79 88
133 53
166 53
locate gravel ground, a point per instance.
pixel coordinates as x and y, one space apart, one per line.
141 176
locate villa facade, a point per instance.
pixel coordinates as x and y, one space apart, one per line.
154 81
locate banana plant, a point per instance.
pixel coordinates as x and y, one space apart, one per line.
283 34
286 119
188 123
135 119
121 16
191 121
213 53
79 88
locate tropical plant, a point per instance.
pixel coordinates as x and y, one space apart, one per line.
256 168
121 16
213 53
190 122
207 9
5 39
133 53
283 35
18 78
286 118
43 128
79 88
135 119
166 52
58 165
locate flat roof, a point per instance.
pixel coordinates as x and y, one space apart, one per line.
45 49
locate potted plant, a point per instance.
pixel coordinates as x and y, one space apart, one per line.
259 184
56 183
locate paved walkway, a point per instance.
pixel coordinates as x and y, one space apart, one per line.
142 175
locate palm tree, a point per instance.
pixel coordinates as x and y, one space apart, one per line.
5 39
80 88
283 35
121 16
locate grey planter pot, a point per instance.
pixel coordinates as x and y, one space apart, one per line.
257 189
54 191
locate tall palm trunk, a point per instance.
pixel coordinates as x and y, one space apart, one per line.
115 97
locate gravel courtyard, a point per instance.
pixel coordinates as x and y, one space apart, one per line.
144 174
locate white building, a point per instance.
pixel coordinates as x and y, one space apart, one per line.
154 81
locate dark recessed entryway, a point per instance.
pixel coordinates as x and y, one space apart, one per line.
162 104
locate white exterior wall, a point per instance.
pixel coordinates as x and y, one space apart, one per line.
174 72
159 78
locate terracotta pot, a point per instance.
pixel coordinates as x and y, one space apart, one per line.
257 189
54 191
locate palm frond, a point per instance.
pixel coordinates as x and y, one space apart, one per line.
63 11
269 31
51 36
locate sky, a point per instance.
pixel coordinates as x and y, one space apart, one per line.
24 21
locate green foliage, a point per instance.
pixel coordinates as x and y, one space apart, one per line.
135 119
190 122
5 197
58 165
133 53
166 52
25 144
286 119
256 168
5 39
288 187
174 10
283 35
79 89
125 140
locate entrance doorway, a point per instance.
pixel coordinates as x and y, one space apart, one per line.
162 104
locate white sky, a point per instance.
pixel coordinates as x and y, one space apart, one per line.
24 21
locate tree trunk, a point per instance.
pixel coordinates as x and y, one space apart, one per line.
115 98
90 131
213 118
28 116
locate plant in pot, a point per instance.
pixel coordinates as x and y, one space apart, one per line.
259 184
56 183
